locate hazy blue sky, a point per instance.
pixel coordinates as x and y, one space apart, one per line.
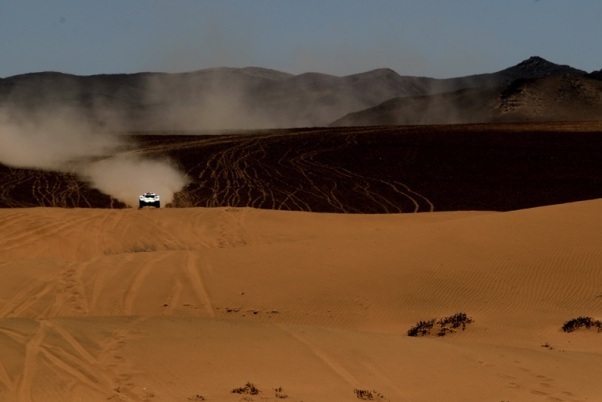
437 38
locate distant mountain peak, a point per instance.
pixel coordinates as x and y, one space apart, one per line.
537 64
596 75
535 60
376 74
536 67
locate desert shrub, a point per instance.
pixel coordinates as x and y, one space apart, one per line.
280 393
367 395
422 328
580 322
249 388
363 394
455 321
446 325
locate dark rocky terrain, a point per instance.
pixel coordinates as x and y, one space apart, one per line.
357 170
553 98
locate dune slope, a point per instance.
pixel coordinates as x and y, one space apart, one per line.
192 304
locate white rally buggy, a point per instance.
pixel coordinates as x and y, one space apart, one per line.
149 200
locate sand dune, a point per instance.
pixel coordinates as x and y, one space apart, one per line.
191 304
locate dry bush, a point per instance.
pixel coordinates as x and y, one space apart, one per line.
580 322
249 389
446 325
367 395
363 394
422 328
280 393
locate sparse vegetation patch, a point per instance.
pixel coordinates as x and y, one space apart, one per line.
280 393
249 389
367 395
582 322
422 328
445 325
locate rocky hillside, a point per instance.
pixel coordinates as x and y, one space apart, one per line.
224 98
565 97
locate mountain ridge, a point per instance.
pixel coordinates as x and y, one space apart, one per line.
249 97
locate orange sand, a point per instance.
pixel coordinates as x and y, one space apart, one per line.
189 304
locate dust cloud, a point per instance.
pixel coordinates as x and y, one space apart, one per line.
60 140
52 140
126 176
214 99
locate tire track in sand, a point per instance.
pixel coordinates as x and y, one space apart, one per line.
263 171
26 297
193 274
53 347
133 290
334 366
32 350
97 365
